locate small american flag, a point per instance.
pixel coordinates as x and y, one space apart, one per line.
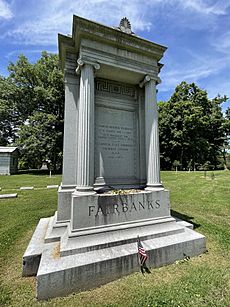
142 257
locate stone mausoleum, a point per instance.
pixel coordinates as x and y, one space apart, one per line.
8 160
111 191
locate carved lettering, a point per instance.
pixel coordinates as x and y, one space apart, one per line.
141 206
91 209
157 204
150 205
115 207
124 207
99 209
133 207
115 141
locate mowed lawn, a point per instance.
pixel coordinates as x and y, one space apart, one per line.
201 281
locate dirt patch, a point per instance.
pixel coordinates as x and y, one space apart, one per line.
56 251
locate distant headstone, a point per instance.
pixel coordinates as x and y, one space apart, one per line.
14 195
111 142
44 166
54 186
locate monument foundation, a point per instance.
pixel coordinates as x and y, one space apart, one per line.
111 191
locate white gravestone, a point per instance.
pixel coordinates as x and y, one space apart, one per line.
111 142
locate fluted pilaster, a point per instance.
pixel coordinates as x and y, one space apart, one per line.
85 167
152 135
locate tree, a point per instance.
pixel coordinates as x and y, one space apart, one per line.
191 127
36 93
39 140
8 113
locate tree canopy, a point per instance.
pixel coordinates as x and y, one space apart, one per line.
192 128
32 109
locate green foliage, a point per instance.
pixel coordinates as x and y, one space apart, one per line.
8 113
33 96
40 140
192 128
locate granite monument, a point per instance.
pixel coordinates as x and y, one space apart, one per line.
111 191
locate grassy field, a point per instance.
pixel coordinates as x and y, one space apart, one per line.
201 281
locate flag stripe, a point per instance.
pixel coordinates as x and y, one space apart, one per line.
142 254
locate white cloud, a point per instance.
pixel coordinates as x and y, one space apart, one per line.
198 69
56 16
45 18
206 7
222 43
5 12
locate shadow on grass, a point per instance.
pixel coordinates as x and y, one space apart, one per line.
185 217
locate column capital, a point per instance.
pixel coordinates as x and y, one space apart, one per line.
148 78
82 62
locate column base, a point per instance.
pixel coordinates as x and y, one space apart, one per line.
154 187
80 191
100 186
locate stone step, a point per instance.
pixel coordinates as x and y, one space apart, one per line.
59 276
81 244
54 230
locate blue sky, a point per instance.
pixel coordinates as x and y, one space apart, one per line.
196 32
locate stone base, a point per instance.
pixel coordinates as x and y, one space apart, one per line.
66 262
64 202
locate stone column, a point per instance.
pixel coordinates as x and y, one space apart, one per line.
85 165
151 135
69 180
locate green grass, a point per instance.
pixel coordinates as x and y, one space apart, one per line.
35 179
202 281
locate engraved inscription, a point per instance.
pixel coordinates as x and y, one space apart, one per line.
115 141
121 208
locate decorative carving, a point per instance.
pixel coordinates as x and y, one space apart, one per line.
82 62
125 26
115 88
147 78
